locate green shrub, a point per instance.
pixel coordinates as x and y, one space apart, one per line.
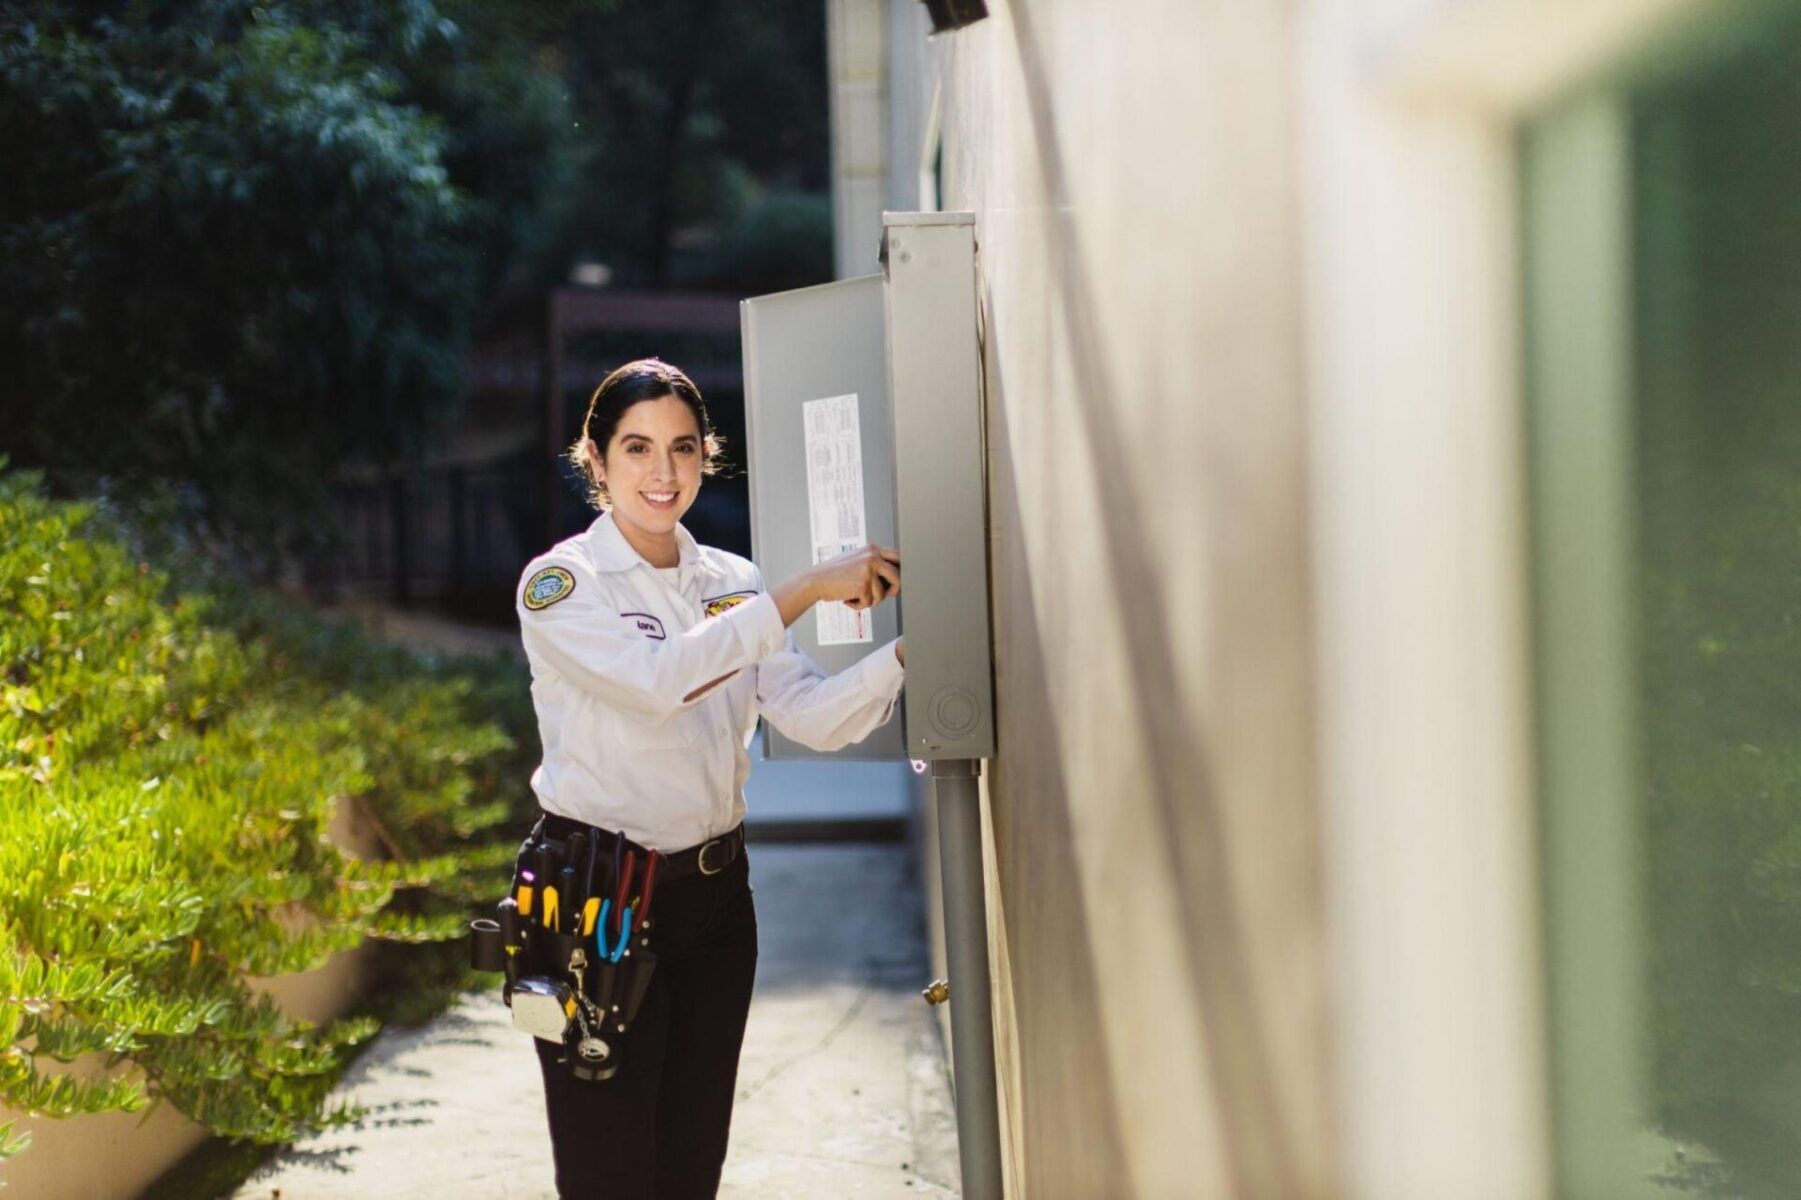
169 762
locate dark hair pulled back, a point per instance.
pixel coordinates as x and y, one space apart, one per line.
636 381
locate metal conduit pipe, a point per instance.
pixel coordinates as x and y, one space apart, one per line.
957 794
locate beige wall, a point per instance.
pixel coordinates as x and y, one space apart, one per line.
1420 600
1263 877
1156 896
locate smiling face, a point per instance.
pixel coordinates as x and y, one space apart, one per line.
652 468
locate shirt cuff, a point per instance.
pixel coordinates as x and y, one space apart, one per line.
882 673
758 623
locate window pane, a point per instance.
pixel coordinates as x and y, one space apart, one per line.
1664 351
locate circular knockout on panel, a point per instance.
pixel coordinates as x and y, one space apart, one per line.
954 712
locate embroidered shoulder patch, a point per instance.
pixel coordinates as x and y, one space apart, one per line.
719 604
548 586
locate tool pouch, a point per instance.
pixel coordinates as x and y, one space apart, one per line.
596 1031
618 991
558 984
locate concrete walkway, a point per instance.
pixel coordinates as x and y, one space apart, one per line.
841 1088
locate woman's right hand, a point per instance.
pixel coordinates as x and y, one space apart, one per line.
863 578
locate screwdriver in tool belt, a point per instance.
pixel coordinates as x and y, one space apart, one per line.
570 899
575 883
551 911
625 881
524 877
553 901
591 909
548 912
650 886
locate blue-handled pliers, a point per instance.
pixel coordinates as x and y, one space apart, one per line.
600 933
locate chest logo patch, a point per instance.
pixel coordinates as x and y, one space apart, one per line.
647 625
719 604
548 586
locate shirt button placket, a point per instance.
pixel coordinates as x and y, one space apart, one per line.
689 610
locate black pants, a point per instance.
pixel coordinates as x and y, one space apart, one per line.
657 1129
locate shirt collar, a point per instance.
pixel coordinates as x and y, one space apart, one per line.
611 552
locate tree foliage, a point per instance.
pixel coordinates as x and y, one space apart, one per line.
1717 437
702 115
169 762
253 238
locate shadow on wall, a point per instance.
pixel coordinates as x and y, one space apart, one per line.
1262 1154
1064 1082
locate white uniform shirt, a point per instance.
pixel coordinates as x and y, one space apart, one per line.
614 647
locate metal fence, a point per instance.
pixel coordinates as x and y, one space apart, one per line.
453 535
456 535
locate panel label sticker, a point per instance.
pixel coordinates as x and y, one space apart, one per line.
835 505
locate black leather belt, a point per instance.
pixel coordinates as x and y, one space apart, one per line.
708 858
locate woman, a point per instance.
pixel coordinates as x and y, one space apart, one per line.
651 659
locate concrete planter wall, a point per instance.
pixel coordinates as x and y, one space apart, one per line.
110 1155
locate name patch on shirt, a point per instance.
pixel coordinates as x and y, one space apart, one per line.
547 587
647 625
719 604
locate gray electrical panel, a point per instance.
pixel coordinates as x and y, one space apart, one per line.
815 388
940 455
863 408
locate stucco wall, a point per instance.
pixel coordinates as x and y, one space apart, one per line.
1155 887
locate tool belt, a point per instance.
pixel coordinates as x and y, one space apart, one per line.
572 935
708 858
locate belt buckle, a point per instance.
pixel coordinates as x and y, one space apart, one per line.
700 860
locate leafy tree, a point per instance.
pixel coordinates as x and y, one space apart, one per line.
254 238
692 110
1718 437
